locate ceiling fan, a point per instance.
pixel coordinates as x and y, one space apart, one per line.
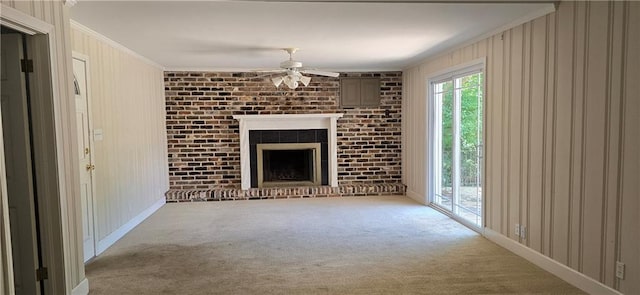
292 71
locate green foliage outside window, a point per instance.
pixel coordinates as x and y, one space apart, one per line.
470 130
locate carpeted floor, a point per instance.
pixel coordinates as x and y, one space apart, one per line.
359 245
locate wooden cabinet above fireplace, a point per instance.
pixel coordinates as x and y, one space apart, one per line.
359 92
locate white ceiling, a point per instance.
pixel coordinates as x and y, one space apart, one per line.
245 35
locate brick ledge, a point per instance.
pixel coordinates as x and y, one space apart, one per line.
230 194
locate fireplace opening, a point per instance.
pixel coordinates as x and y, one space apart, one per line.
289 164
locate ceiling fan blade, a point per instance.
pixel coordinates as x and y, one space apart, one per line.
320 73
260 75
269 71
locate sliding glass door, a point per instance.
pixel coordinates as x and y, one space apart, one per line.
457 145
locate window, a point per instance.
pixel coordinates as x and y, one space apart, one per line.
457 112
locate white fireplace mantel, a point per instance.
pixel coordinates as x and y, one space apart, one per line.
287 122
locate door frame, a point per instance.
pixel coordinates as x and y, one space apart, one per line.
85 59
473 65
47 132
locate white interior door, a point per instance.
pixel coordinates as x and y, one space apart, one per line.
84 154
19 173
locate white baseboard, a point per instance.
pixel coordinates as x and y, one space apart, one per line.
417 197
82 288
124 229
560 270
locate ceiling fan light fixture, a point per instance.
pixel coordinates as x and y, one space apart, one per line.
290 82
305 80
277 81
293 71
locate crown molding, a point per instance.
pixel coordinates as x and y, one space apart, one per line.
78 26
70 3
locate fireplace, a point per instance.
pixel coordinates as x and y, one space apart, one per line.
295 129
289 164
288 157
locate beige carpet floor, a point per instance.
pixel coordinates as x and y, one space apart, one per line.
358 245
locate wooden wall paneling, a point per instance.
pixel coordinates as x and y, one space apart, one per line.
488 194
61 20
24 6
612 193
454 57
578 131
39 9
536 139
549 134
406 146
495 133
128 105
415 173
629 182
505 114
562 134
481 49
595 136
467 54
407 143
412 137
100 102
561 194
525 128
421 133
515 128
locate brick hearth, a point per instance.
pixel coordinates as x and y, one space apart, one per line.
174 196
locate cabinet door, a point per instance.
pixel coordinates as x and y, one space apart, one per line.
349 92
370 92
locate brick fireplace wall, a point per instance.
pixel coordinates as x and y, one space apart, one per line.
203 138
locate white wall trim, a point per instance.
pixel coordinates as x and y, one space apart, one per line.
70 3
472 65
417 197
109 240
284 122
78 26
241 70
17 20
82 288
560 270
6 257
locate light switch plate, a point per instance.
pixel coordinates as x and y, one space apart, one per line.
619 270
97 134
